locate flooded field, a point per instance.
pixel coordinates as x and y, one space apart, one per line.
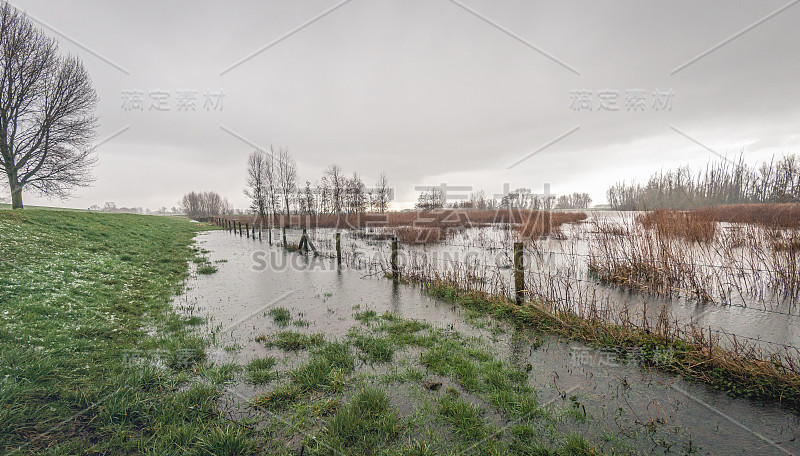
517 388
741 306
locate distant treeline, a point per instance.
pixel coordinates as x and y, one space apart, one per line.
110 206
521 198
205 204
721 182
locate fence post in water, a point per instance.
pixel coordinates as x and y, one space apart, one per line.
338 248
260 229
303 242
519 274
240 229
284 235
269 232
395 273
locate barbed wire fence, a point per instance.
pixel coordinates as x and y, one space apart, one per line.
489 270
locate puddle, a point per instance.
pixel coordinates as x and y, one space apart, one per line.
628 407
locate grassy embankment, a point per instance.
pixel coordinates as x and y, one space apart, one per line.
93 360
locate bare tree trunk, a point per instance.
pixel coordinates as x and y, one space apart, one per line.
16 198
16 190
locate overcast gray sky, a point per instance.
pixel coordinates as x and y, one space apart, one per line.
429 91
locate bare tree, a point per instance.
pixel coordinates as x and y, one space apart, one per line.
309 199
324 202
287 178
191 204
47 120
257 187
270 177
432 199
383 194
356 194
337 182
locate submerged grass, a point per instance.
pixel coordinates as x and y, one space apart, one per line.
327 370
292 340
326 406
363 427
466 419
281 316
694 356
259 370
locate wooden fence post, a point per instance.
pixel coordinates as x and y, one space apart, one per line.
284 235
395 271
303 242
519 274
240 230
260 229
339 248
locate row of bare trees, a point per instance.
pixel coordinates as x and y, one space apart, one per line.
574 201
205 204
723 182
272 187
521 198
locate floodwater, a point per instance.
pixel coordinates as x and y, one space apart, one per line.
767 321
649 411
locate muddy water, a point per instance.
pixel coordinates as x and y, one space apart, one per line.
771 323
631 407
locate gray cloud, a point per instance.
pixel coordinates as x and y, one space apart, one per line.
428 92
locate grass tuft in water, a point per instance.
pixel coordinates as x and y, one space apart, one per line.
259 370
291 340
363 427
281 316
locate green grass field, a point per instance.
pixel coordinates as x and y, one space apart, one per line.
93 360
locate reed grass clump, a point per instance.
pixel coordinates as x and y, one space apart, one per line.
419 235
660 255
544 223
691 226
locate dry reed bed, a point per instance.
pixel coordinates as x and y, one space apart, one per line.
420 227
660 258
778 215
420 235
692 226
